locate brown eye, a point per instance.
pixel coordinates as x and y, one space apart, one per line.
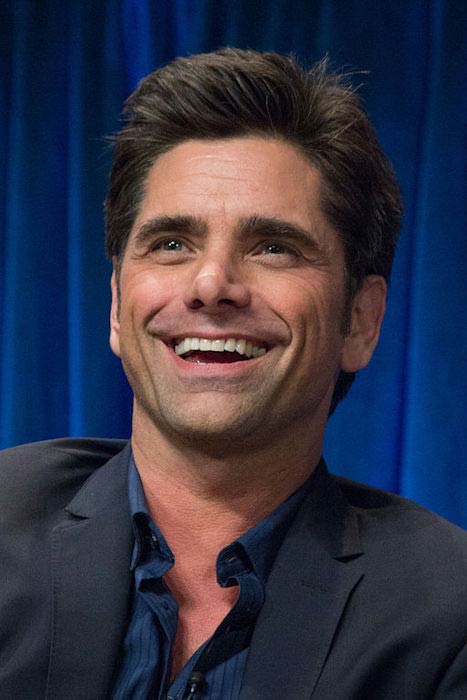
276 254
276 249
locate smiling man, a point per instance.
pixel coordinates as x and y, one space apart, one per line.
252 220
230 248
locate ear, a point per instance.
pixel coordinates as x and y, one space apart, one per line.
114 315
367 311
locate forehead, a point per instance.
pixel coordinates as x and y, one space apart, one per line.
233 178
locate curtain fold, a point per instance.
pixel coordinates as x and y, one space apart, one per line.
66 69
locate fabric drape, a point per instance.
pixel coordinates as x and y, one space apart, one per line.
66 68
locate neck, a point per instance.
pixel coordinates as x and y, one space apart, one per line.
195 494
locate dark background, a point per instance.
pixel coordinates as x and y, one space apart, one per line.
66 68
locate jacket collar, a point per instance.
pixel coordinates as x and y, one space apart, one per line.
318 566
316 569
91 552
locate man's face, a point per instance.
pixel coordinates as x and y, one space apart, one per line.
231 250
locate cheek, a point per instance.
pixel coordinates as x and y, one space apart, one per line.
310 304
144 294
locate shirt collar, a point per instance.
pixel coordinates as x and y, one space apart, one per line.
262 541
257 547
148 537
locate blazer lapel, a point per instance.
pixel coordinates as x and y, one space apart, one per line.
91 553
317 567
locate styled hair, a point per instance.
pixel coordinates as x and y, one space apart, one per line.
233 92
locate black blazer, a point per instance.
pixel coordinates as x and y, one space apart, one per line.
367 598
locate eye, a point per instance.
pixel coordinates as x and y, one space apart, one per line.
169 251
169 245
275 249
276 254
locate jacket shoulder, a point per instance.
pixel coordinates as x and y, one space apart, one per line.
398 526
97 450
45 475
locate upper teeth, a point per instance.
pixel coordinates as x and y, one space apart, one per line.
243 347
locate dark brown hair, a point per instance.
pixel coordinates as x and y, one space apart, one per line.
232 92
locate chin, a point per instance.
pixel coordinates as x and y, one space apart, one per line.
223 432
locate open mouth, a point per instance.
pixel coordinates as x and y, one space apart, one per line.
204 350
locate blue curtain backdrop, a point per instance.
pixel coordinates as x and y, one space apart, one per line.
66 67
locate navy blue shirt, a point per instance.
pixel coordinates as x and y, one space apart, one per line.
146 661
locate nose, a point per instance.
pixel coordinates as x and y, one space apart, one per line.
217 285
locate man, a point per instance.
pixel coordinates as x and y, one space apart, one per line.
251 219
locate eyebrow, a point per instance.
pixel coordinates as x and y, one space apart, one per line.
169 224
255 225
273 227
